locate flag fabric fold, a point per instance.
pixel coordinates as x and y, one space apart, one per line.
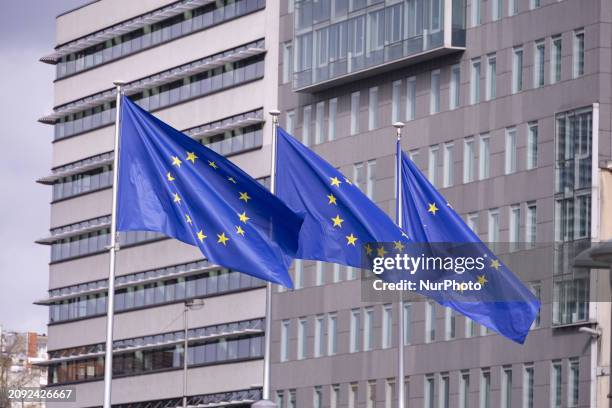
339 219
505 304
170 183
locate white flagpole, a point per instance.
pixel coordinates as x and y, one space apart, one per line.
266 401
112 248
400 307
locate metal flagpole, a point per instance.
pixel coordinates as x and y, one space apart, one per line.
265 401
112 248
400 307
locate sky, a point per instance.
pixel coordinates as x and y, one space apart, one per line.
27 32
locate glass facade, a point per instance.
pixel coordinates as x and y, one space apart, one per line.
81 183
154 34
236 140
333 38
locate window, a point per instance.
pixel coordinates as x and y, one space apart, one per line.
496 10
371 394
333 110
472 222
411 98
292 397
455 86
430 321
284 351
493 231
475 82
476 12
528 386
555 59
538 64
353 398
280 399
517 69
368 323
354 113
512 7
389 392
406 391
448 165
432 166
534 4
355 330
434 96
319 273
484 157
485 388
464 390
510 152
290 122
302 333
578 56
320 123
491 87
332 329
555 384
449 323
536 289
444 395
373 108
317 397
573 382
319 334
469 159
387 326
287 62
532 145
334 396
396 89
307 117
370 179
407 322
506 387
430 389
336 275
514 233
470 328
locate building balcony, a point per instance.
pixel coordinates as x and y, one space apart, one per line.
334 44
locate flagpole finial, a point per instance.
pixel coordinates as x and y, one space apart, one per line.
398 127
274 113
119 82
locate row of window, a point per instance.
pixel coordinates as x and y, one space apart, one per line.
153 293
218 399
138 362
76 184
497 9
201 84
437 391
151 35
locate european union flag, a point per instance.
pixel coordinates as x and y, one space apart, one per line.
339 218
504 304
172 184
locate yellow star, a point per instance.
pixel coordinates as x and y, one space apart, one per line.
398 245
232 180
176 161
188 219
201 236
432 208
244 197
334 181
482 280
332 199
381 252
368 249
222 239
169 177
495 264
243 217
177 199
337 221
213 164
239 230
191 156
351 239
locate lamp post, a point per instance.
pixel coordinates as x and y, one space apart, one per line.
191 304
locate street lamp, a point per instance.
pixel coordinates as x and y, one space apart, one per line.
191 304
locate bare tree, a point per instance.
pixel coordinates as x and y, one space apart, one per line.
15 371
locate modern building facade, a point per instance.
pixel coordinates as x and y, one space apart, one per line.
506 110
207 68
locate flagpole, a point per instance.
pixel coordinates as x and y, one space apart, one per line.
112 250
266 401
400 308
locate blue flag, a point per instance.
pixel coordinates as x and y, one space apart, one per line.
172 184
504 304
339 219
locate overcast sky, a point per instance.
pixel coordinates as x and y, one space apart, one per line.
27 32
